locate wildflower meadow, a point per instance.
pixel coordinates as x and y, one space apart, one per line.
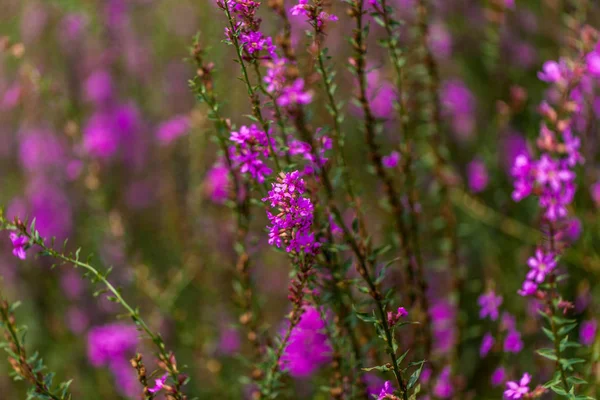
299 199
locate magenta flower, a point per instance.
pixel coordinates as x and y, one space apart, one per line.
158 384
551 173
216 183
391 160
477 176
529 288
498 376
595 192
386 390
291 224
393 318
19 245
587 332
515 391
541 265
172 129
513 342
486 344
308 347
443 388
294 95
489 304
110 343
252 147
551 72
593 63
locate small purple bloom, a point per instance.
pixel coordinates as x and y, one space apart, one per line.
19 245
515 391
489 303
486 344
529 288
551 72
387 389
443 388
391 160
294 95
593 63
498 376
513 342
587 332
477 176
158 384
172 129
541 265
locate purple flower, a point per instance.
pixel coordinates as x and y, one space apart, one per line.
521 171
291 225
394 318
112 342
98 87
498 376
486 344
443 388
529 288
41 150
515 391
255 42
275 77
217 183
551 173
551 72
387 389
172 129
459 106
294 95
595 192
593 63
587 332
158 384
252 146
391 160
308 347
541 265
19 244
489 304
477 176
513 342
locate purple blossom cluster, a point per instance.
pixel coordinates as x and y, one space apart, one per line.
250 150
291 225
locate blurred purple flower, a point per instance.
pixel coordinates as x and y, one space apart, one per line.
513 342
41 150
158 384
459 107
498 376
308 346
98 87
477 176
172 129
216 183
486 344
385 390
587 332
489 303
109 343
443 388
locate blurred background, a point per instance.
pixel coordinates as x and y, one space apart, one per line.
103 142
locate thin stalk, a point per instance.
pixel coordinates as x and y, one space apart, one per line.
164 356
